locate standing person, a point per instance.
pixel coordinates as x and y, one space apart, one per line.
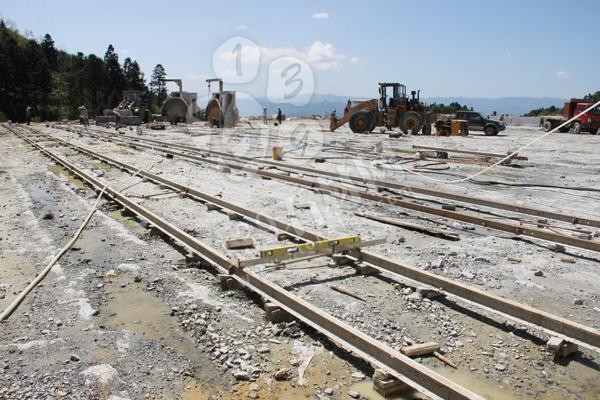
83 116
28 115
279 115
265 120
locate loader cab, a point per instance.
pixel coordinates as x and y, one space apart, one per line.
391 95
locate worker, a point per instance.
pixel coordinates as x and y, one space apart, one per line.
28 115
265 119
83 116
279 115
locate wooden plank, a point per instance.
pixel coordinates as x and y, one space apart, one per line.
420 349
441 233
236 244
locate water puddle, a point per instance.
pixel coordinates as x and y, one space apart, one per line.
16 273
61 171
365 388
131 223
133 309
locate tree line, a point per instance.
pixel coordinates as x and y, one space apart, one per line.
447 109
54 83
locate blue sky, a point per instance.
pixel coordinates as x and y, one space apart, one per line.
445 48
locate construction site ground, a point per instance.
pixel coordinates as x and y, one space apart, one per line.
124 315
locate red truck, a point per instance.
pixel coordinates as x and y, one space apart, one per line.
588 122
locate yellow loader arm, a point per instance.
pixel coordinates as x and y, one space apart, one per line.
335 123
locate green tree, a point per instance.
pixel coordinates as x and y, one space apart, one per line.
157 86
593 97
115 79
133 75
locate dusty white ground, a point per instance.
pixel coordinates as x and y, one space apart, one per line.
122 342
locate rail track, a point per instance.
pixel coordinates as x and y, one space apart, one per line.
529 316
350 339
227 160
378 354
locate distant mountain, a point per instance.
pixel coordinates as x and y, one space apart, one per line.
319 104
322 104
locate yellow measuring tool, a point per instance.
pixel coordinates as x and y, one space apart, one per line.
329 244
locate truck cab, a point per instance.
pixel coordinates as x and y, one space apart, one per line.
478 123
589 121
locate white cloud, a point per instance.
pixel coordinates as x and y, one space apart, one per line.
241 27
354 60
124 51
319 55
562 75
321 15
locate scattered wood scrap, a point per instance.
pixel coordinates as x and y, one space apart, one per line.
346 292
237 244
441 233
427 348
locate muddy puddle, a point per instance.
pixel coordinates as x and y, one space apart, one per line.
15 274
575 379
365 388
323 371
61 171
133 309
133 224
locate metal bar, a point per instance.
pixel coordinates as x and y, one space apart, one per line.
415 374
458 216
586 336
392 185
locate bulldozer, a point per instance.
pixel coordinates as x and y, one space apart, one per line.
392 109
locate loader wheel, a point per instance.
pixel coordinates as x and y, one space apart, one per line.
411 122
547 126
361 122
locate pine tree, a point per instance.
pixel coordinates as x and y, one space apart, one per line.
115 82
133 75
157 86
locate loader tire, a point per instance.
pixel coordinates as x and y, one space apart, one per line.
547 126
411 122
361 122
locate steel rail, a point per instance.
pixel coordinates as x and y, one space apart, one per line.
390 185
342 334
455 215
530 316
